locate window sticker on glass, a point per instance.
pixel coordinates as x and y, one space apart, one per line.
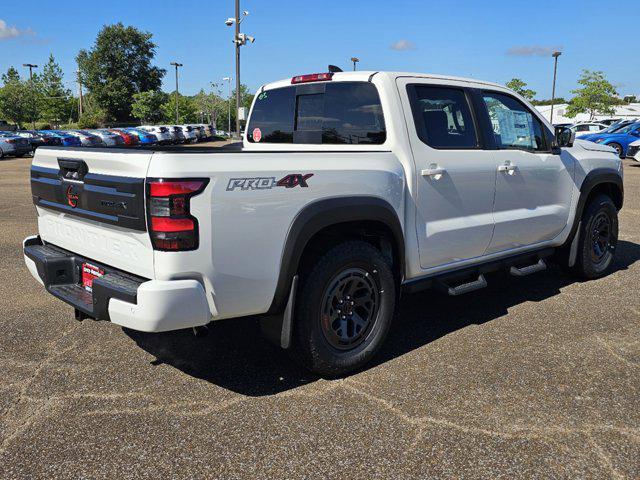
513 124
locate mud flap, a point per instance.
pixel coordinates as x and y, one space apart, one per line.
278 328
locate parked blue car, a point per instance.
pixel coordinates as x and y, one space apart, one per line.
66 139
620 139
145 138
611 129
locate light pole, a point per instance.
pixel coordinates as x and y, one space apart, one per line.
228 80
555 55
79 94
31 66
354 60
176 64
239 39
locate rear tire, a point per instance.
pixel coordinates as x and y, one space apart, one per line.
598 238
344 309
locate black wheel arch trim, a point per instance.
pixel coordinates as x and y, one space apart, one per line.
321 214
594 178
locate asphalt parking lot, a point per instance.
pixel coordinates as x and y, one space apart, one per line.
535 377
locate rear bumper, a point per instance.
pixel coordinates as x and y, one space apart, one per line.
23 150
119 297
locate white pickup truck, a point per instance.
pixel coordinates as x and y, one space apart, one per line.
349 188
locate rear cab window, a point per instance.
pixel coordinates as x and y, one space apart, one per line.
345 113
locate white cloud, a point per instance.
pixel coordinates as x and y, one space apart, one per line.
532 51
7 32
402 45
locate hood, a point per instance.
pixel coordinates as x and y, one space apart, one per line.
594 147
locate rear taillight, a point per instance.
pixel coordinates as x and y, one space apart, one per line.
171 225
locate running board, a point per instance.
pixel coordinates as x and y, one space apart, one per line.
463 287
528 270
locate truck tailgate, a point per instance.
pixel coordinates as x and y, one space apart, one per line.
92 202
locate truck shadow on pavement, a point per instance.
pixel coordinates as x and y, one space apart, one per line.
236 356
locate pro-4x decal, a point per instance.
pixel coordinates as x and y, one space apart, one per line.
265 183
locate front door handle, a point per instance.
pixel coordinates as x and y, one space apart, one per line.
508 168
433 171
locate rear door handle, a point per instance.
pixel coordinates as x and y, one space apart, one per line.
433 171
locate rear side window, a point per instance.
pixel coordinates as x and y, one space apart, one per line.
514 125
443 117
347 113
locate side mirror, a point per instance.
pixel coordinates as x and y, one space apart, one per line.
565 137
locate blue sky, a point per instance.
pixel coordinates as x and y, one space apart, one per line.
492 40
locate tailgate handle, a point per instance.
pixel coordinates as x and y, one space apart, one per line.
71 169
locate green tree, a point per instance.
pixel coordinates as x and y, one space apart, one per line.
596 96
55 99
557 101
12 75
187 110
117 67
520 87
148 106
18 99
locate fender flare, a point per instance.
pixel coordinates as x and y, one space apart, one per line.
594 178
322 214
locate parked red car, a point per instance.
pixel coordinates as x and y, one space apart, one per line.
130 140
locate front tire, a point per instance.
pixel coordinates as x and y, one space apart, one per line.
344 309
618 148
598 238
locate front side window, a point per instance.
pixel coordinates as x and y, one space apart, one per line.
443 117
348 113
514 126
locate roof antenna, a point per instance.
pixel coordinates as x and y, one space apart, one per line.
334 69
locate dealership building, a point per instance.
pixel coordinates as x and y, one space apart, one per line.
630 111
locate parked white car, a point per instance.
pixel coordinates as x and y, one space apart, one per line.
350 188
109 139
190 135
13 144
633 152
176 134
87 139
587 128
7 147
161 132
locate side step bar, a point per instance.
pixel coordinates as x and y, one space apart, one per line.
528 270
463 288
462 281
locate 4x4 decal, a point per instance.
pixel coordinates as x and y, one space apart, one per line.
265 183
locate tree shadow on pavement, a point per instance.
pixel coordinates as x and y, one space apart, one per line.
237 357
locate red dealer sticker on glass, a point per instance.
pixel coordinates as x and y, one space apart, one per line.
257 135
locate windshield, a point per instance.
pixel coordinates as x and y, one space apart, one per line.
628 128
